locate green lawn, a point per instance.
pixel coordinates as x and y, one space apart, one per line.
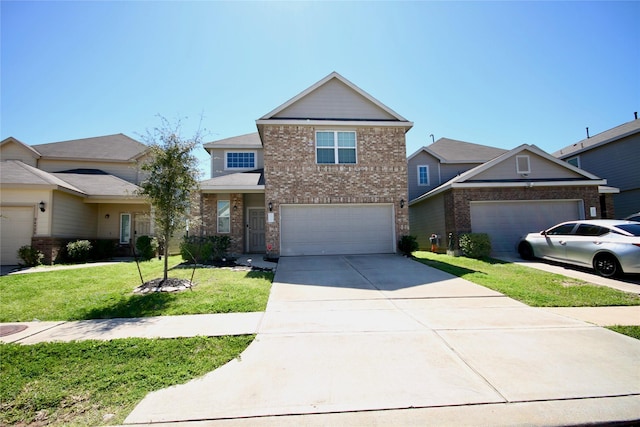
92 383
106 292
533 287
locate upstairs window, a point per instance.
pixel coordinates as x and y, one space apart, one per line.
333 147
423 175
522 165
240 160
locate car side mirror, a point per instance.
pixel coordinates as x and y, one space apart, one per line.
543 232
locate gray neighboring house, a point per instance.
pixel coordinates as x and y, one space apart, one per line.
458 187
615 155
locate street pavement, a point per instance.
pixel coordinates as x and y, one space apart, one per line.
383 340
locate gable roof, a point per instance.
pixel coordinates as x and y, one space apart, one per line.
116 148
21 144
18 174
308 106
250 140
453 151
247 182
465 179
602 138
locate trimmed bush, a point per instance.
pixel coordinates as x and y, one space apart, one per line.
103 249
79 250
30 256
407 245
146 247
475 245
204 250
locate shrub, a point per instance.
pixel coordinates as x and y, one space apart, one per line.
103 249
204 249
146 247
79 250
407 245
475 245
30 256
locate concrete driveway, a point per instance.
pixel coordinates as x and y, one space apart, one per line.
384 340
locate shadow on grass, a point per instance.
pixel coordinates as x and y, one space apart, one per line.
132 306
448 268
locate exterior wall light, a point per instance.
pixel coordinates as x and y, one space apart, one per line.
41 205
402 203
270 207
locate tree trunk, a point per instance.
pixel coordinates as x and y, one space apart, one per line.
166 256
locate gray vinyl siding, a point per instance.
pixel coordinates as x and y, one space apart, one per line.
218 161
540 169
334 100
448 171
426 218
73 218
420 159
618 162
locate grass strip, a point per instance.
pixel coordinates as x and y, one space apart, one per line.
632 331
533 287
100 382
105 292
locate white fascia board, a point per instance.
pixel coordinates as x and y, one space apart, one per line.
604 189
233 189
352 123
527 184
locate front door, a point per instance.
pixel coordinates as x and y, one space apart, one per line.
255 229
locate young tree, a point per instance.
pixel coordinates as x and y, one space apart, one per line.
172 176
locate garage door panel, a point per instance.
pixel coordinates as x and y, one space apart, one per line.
507 221
16 230
336 229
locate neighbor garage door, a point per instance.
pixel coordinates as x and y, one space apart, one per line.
336 229
16 229
507 221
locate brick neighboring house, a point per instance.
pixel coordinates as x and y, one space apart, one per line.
69 190
615 155
503 193
326 173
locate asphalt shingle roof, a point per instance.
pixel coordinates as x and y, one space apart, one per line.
459 151
118 147
610 135
250 140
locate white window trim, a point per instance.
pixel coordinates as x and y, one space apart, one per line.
520 171
335 146
122 242
255 159
418 175
218 216
577 160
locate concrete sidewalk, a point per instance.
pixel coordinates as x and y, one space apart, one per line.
383 340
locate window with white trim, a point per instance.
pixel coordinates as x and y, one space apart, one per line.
423 175
125 228
224 216
240 160
336 147
523 165
575 161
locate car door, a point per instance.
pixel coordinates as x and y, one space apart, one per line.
553 246
584 243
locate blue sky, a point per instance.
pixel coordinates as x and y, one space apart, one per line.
493 73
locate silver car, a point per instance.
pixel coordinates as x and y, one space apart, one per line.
610 247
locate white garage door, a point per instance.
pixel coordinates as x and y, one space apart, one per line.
507 221
336 229
16 229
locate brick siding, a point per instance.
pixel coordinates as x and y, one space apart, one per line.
205 210
292 175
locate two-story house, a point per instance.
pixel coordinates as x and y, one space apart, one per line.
326 173
69 190
458 187
615 155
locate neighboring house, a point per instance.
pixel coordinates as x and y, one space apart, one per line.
69 190
615 155
326 173
506 196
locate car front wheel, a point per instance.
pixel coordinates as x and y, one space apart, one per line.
525 250
606 265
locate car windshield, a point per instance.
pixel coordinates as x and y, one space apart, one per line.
630 228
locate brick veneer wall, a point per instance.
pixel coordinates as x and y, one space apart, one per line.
51 247
207 210
458 209
292 175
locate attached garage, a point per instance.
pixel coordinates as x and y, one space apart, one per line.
337 229
506 221
16 229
